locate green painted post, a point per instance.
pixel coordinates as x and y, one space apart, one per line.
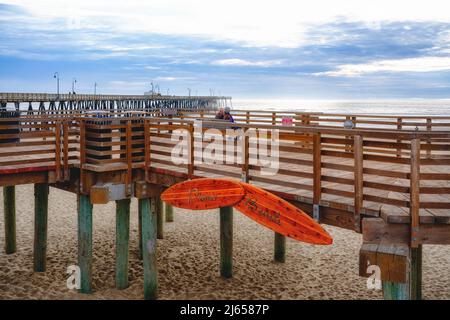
40 226
149 230
226 242
169 212
395 291
160 218
416 273
85 243
280 248
122 239
411 290
9 207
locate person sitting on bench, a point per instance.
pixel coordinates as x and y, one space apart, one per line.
220 114
227 115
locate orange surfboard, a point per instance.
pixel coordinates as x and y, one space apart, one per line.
281 216
201 194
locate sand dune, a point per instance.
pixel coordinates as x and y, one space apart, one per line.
188 259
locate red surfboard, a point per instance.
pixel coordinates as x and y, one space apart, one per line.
281 216
201 194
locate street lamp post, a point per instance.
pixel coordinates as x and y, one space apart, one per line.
95 88
73 85
189 90
56 76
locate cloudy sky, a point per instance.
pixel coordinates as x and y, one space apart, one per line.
320 49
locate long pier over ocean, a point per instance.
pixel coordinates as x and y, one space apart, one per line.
73 102
386 177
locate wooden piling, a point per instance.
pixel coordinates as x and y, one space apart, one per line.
140 232
40 226
395 291
9 207
412 290
122 239
85 243
226 242
169 212
416 273
159 218
280 248
148 215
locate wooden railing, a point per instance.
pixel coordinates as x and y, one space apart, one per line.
316 166
38 143
365 171
381 122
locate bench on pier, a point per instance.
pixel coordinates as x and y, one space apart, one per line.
218 124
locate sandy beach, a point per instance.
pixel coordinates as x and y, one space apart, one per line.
188 259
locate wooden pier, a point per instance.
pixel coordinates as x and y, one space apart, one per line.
39 103
386 177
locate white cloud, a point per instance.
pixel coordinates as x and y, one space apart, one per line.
421 64
281 23
241 62
166 79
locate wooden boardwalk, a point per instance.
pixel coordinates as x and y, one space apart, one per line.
387 177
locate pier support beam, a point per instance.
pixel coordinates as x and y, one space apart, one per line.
412 290
160 218
226 242
9 208
122 239
280 248
416 273
147 210
85 243
40 226
398 266
169 212
395 291
140 232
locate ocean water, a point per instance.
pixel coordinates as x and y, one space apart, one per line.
418 107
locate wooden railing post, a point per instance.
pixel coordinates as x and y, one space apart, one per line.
66 149
147 149
348 147
358 180
191 150
429 128
415 191
129 157
399 127
58 150
317 175
82 155
245 152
